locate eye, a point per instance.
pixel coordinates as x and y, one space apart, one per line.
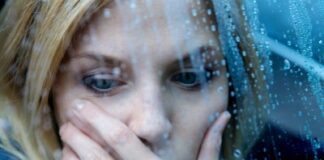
102 83
191 78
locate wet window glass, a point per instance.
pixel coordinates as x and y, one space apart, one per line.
162 79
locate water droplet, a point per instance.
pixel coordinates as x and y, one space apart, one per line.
259 97
232 93
166 136
133 5
107 12
237 39
194 12
320 42
317 144
213 28
208 74
204 19
237 153
116 71
286 64
223 62
300 113
212 117
244 53
209 11
216 73
220 89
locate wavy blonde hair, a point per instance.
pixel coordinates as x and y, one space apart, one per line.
33 40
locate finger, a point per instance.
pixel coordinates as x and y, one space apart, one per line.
89 132
114 133
68 154
210 149
84 147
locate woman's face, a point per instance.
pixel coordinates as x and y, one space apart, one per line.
156 67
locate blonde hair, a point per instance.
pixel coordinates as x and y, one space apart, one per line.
33 40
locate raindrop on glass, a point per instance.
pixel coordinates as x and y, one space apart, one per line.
166 136
116 71
237 153
194 12
213 28
232 94
223 62
237 39
300 113
286 64
212 117
133 5
244 53
259 97
317 144
106 12
220 89
209 11
216 73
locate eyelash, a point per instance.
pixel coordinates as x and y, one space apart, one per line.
106 79
201 78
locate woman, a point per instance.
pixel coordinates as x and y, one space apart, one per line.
128 80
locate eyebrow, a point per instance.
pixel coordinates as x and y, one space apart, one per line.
102 59
197 54
186 59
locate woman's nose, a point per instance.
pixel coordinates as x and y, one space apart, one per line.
149 120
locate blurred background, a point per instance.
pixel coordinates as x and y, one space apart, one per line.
299 110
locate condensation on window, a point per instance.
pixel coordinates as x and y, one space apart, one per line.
280 85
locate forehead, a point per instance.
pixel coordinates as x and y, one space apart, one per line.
158 28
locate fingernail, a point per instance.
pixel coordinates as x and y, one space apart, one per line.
212 117
79 104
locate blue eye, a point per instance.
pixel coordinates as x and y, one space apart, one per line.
191 79
186 79
101 82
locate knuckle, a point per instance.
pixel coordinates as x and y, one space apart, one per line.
119 136
88 113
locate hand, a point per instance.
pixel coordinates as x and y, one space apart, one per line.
211 146
86 137
93 134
